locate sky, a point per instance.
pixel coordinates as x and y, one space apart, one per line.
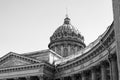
26 25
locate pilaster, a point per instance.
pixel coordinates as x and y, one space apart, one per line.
116 15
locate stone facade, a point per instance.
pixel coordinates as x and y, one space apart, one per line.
68 58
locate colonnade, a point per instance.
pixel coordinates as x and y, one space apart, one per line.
105 70
28 78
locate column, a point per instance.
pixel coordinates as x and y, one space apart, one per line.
41 77
69 53
83 75
77 76
103 71
27 78
93 73
56 49
16 78
75 48
114 71
72 77
62 78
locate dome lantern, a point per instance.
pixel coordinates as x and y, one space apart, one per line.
67 20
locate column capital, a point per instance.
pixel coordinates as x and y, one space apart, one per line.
83 73
112 57
41 77
27 77
103 63
16 78
93 68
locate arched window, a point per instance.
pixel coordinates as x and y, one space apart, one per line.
65 52
59 50
72 50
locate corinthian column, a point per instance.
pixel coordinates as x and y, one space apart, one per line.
114 72
27 78
103 71
93 73
83 75
41 77
73 77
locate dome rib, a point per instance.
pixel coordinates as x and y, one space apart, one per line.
67 30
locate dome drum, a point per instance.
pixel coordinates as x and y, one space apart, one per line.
65 49
68 42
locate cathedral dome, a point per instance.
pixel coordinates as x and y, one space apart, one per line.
66 39
67 32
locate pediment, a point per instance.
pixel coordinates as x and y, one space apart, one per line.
13 59
13 62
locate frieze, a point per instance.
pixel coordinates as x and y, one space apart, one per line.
20 68
32 72
46 72
101 55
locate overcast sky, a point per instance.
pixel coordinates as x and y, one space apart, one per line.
26 25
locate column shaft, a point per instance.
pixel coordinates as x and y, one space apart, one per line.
93 73
62 78
40 77
27 78
83 76
103 72
73 77
114 69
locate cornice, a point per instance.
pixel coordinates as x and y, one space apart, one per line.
21 68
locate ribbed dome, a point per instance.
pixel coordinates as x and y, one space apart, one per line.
66 40
67 31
